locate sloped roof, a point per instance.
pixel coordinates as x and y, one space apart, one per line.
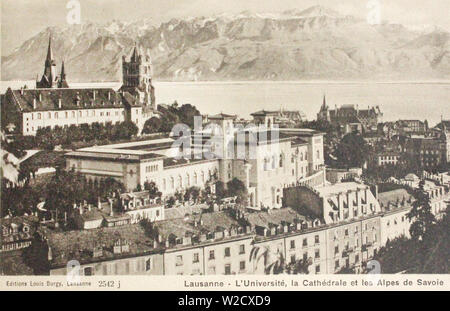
274 216
393 196
48 99
79 244
411 177
181 227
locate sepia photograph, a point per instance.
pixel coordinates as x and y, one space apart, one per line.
229 144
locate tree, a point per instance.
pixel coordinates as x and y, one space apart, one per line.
170 202
220 190
300 266
421 215
152 189
36 255
352 151
236 188
273 263
428 255
152 125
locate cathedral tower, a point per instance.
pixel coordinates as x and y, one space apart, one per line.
137 76
49 78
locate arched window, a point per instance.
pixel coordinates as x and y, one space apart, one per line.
281 160
318 154
172 182
203 177
301 156
39 116
188 180
180 181
195 178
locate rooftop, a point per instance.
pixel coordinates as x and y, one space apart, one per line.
274 216
329 190
222 116
195 225
394 196
80 244
48 99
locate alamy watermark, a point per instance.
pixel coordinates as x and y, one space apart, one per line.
374 14
74 15
226 140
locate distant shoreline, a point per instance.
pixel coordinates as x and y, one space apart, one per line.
7 83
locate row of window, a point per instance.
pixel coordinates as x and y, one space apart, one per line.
72 114
305 241
212 256
27 129
126 267
151 168
212 269
187 180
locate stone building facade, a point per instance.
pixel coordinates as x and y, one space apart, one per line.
54 103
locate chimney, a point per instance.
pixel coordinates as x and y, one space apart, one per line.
93 95
109 95
99 203
34 103
60 103
40 96
21 91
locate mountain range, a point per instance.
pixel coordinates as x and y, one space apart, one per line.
316 43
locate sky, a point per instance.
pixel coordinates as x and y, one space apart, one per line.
22 19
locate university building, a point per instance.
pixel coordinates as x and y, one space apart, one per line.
54 103
266 159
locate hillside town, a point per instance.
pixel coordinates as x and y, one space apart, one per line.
108 179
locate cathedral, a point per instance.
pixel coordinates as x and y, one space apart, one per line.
54 103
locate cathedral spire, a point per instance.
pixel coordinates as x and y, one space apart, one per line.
49 77
49 50
62 83
324 103
135 55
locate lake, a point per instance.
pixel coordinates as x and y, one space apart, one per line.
397 100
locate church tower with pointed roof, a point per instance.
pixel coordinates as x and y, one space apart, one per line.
324 114
62 83
49 78
137 77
